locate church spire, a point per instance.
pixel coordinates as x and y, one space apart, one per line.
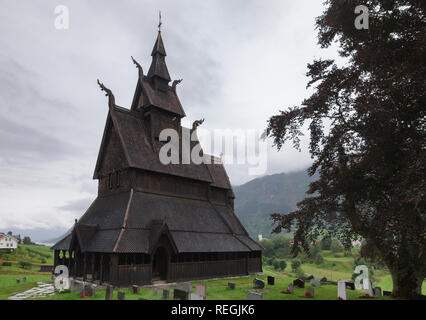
158 72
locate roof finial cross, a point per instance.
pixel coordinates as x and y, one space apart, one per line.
159 21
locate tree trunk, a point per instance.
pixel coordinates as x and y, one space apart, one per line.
407 282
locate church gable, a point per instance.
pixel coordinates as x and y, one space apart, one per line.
111 156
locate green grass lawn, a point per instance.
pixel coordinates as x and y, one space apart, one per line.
9 274
9 287
34 253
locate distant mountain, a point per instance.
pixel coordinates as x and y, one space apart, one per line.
258 198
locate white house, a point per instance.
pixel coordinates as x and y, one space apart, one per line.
8 242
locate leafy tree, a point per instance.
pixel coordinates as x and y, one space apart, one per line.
27 240
367 127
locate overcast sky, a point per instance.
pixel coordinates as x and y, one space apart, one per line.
241 61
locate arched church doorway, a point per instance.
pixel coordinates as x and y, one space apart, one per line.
159 264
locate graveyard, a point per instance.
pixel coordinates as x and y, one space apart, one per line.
219 289
15 280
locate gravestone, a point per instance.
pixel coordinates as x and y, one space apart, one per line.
231 285
136 290
154 291
89 277
184 286
24 279
90 290
201 289
387 293
377 291
18 280
258 284
121 295
166 294
299 283
180 294
108 292
368 291
341 290
290 288
195 296
315 283
254 296
311 277
309 292
350 285
271 281
324 279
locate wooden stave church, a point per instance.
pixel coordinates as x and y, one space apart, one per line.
152 221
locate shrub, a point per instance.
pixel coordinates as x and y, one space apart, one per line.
283 264
336 246
326 243
276 264
295 265
300 273
7 264
319 259
25 264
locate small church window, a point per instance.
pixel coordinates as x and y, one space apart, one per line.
110 180
117 179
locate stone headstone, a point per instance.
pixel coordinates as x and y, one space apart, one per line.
108 292
341 290
377 291
166 294
258 284
290 288
184 286
311 277
89 276
387 293
271 281
73 286
121 295
201 289
299 283
315 283
309 292
90 290
231 285
368 289
24 279
350 285
154 291
254 296
180 294
194 296
136 289
324 279
18 280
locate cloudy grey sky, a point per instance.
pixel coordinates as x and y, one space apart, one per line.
241 61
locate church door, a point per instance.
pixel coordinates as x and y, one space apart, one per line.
159 264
